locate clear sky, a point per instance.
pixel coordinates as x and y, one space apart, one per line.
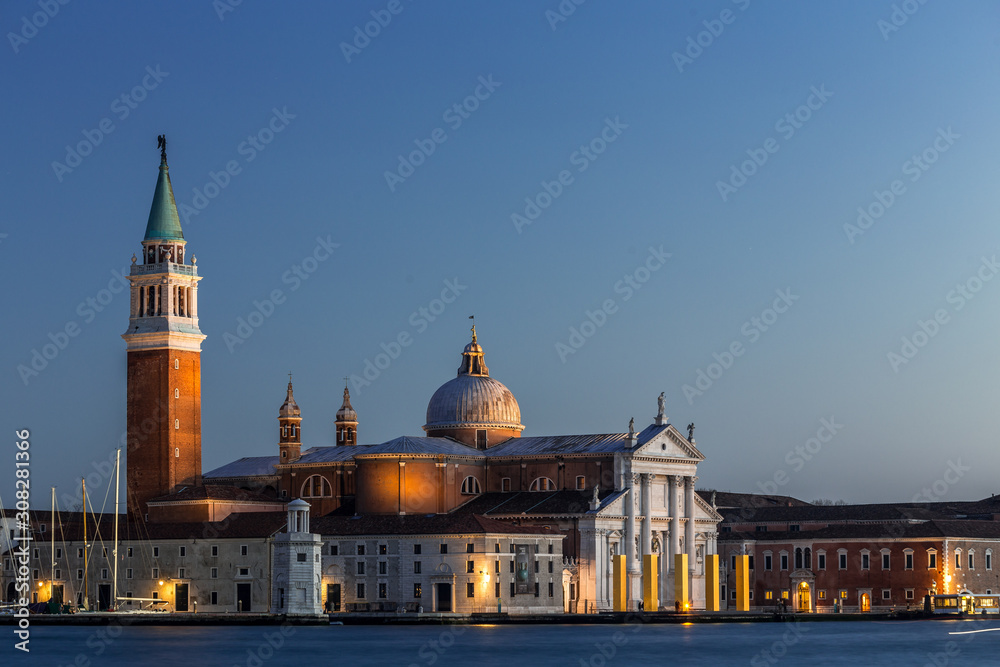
739 138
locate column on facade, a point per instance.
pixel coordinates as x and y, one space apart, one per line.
630 524
647 510
193 304
168 299
689 513
675 519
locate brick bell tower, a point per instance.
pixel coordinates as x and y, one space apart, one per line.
164 358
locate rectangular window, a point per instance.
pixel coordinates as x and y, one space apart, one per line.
79 574
156 552
470 566
793 528
156 573
972 561
767 562
732 562
761 529
300 558
784 594
79 554
550 567
865 561
470 590
383 567
908 561
552 590
361 567
214 597
768 595
215 573
104 573
821 595
513 589
417 590
749 562
59 553
843 561
180 573
155 595
784 561
536 567
182 551
496 589
128 573
496 566
512 567
581 483
932 561
909 593
843 594
383 549
215 549
505 484
444 548
361 550
244 571
536 589
470 548
383 591
416 567
416 549
821 561
361 591
244 550
129 552
886 594
334 550
958 561
885 561
989 561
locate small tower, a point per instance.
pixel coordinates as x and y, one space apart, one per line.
290 428
295 583
347 422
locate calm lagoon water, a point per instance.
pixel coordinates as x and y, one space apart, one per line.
757 644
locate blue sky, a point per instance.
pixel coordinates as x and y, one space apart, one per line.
867 86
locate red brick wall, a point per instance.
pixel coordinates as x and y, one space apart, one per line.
162 458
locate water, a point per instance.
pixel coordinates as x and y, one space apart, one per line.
756 644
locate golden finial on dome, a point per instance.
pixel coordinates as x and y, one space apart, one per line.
473 318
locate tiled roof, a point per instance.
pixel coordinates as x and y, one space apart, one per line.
216 492
419 524
727 500
962 529
330 454
248 466
541 503
416 445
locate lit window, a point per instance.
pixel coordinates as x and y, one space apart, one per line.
821 595
417 590
542 484
843 595
470 486
768 595
581 483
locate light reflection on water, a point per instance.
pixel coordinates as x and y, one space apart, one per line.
756 644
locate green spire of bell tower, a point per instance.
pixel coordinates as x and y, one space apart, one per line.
163 223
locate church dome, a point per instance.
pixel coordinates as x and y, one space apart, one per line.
473 401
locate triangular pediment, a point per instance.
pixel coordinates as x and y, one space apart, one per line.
669 443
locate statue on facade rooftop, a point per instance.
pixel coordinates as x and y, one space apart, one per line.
691 432
161 144
631 428
660 406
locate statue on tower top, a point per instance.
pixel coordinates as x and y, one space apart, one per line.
161 143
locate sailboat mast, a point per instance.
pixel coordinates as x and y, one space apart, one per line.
118 463
52 552
86 550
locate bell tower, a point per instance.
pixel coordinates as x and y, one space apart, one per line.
163 345
289 425
346 425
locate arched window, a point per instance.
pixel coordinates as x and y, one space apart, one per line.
798 558
316 486
542 484
470 486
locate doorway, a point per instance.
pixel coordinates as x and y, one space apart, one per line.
443 597
57 593
243 597
866 602
103 597
180 597
804 597
333 597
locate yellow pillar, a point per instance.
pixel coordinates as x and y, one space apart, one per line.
743 583
712 602
682 592
650 582
620 576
